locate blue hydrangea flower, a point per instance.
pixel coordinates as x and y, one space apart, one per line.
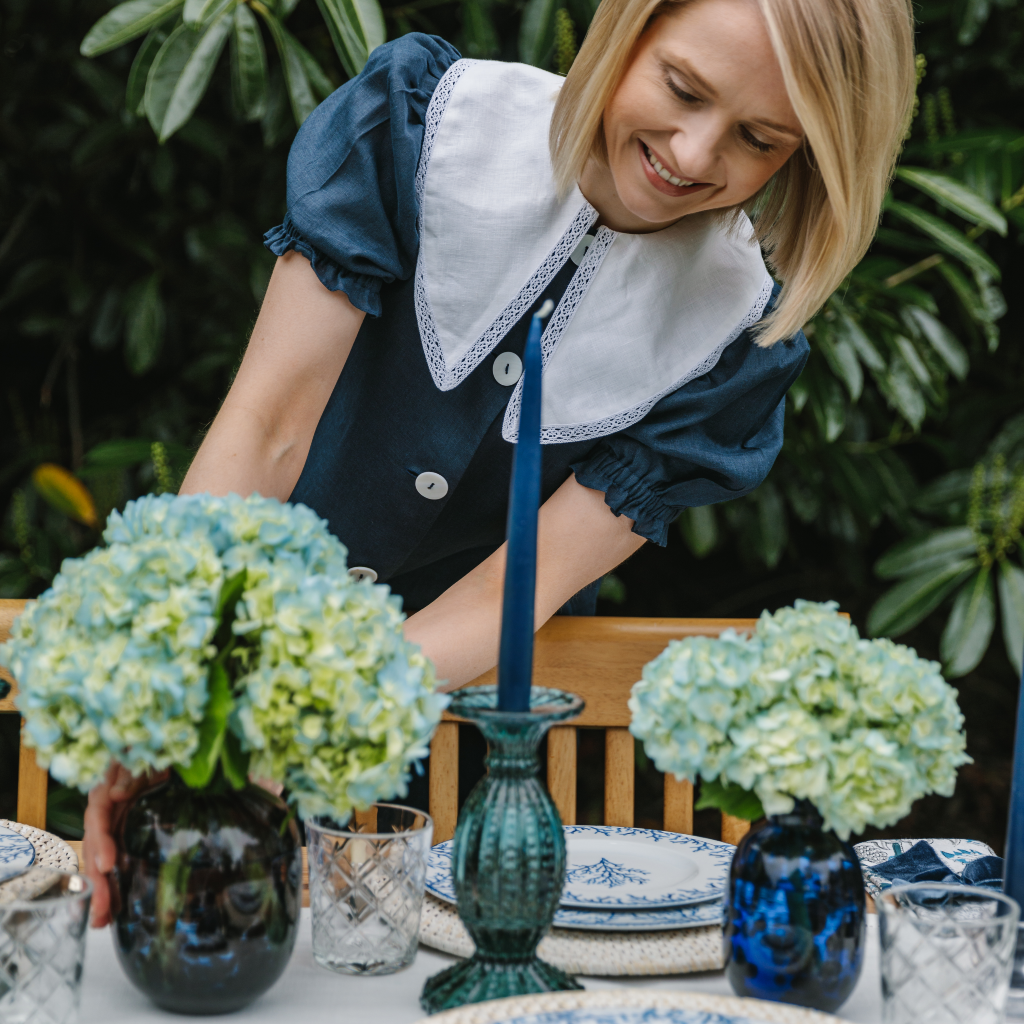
112 661
804 709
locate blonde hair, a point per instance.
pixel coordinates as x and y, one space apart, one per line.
848 67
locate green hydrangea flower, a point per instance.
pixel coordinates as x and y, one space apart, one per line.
804 709
114 660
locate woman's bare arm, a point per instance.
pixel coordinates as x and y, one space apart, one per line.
579 539
261 436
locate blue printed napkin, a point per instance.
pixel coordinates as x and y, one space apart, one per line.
886 862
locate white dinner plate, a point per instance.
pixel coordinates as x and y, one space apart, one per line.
621 870
17 854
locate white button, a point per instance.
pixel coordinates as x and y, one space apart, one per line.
362 572
432 485
508 368
581 249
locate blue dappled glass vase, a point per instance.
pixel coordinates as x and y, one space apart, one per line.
508 856
795 924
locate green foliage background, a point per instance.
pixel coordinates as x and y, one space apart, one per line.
131 273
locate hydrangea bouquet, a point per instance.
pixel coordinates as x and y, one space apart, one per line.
224 632
802 709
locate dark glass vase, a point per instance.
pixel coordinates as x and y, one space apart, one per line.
794 928
206 894
508 857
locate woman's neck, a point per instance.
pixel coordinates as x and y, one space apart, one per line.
598 188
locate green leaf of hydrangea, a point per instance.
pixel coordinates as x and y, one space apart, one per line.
199 771
234 761
738 802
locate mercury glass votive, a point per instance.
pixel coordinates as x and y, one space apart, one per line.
508 857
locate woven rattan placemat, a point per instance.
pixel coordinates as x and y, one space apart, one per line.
592 953
501 1010
52 854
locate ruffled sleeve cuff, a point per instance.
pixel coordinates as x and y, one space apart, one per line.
626 495
362 290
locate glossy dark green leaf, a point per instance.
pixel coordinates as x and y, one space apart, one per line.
124 23
843 361
321 85
922 554
356 28
699 527
913 359
248 65
480 38
948 237
1011 606
537 32
219 702
277 124
941 338
144 324
828 405
612 589
908 603
118 454
901 389
300 93
182 71
740 803
975 15
135 92
969 627
771 520
109 320
234 761
848 329
956 196
195 12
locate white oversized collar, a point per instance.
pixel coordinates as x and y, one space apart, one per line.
643 315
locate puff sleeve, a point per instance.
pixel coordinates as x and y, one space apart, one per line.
352 208
713 439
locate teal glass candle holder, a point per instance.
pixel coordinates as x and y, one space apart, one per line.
508 858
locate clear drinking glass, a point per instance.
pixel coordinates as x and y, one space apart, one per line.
947 951
42 942
366 889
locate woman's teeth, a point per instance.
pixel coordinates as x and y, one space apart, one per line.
663 173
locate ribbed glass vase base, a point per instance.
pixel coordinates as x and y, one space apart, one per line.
477 979
508 857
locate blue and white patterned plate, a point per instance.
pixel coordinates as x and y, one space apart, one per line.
632 1015
625 869
17 854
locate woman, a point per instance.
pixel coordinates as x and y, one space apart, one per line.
434 204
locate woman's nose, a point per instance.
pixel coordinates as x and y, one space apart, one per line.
696 149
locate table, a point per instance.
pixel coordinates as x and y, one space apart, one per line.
313 995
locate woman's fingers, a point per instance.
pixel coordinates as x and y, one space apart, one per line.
98 847
107 805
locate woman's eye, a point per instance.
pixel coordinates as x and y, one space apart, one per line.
679 92
751 139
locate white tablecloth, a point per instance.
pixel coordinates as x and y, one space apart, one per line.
312 995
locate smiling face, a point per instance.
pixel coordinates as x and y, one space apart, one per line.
700 121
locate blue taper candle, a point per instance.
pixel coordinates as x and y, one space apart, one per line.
1013 867
515 658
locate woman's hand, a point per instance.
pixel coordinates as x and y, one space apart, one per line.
579 539
261 436
108 803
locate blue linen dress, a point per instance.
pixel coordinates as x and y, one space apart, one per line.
352 211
